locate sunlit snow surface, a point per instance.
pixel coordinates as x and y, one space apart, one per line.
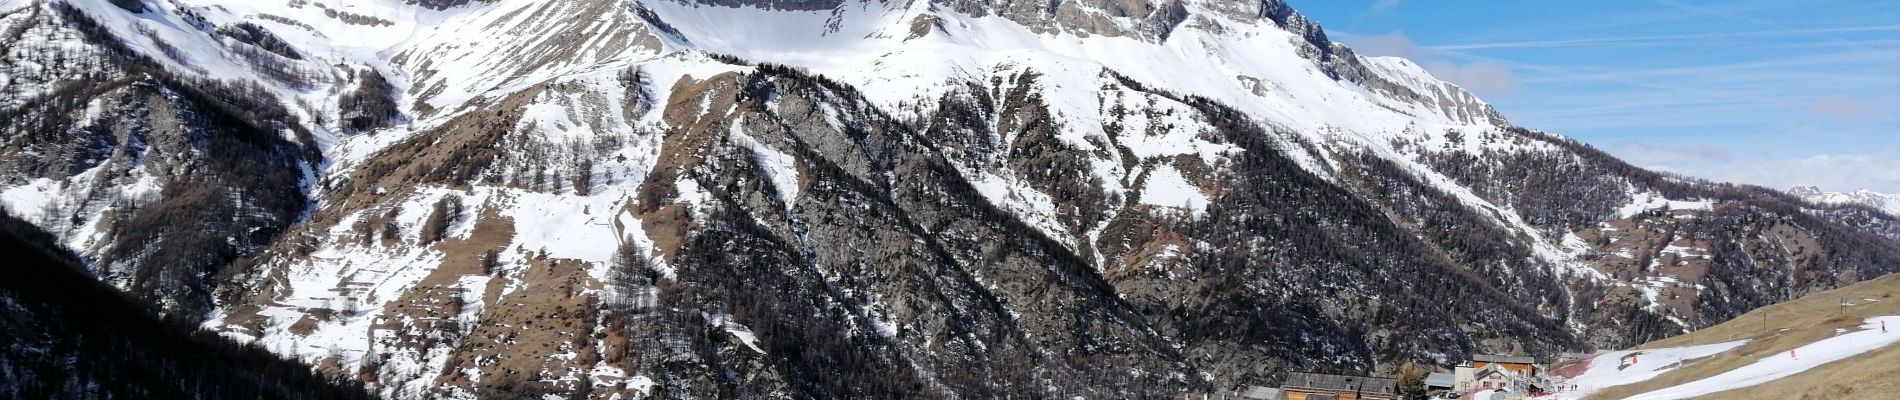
1778 366
1166 187
1618 368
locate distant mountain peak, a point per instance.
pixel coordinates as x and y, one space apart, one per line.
1888 202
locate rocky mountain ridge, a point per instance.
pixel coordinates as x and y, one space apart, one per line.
850 198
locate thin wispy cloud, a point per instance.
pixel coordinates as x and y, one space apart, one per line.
1842 109
1666 39
1819 34
1383 5
1837 65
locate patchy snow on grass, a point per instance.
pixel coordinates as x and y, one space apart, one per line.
1782 365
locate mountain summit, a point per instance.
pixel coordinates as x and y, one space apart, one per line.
849 199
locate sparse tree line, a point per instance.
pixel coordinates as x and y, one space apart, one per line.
573 165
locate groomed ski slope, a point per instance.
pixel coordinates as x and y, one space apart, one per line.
1804 358
1610 369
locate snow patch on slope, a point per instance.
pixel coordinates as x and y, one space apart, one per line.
1648 201
1166 187
780 168
565 226
1019 199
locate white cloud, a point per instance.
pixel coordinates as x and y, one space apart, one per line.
1727 161
1832 172
1484 77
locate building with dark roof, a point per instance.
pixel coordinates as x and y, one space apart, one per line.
1317 386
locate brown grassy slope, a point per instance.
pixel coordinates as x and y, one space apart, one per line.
1790 325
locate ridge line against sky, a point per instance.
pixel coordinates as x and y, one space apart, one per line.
1771 93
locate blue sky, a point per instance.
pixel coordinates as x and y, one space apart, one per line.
1775 93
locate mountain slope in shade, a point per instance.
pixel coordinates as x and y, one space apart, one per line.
67 336
850 198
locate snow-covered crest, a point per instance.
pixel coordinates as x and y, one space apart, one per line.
1238 55
1261 57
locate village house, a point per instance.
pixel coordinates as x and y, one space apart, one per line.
1491 376
1316 386
1521 365
1497 372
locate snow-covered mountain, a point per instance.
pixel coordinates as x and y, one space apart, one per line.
1885 202
927 198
